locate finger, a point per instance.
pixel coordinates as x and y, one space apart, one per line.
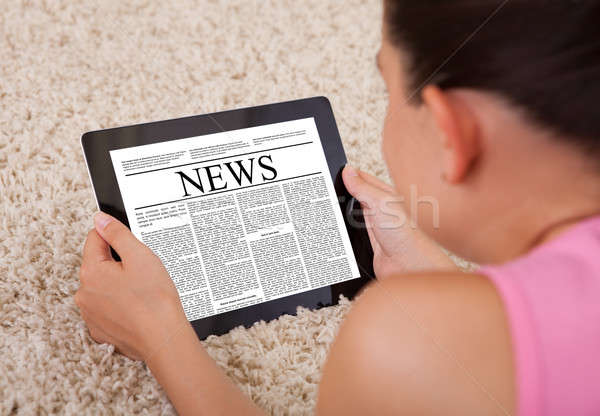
95 332
98 335
117 235
376 182
102 337
95 249
362 190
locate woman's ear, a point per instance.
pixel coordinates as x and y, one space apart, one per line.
458 130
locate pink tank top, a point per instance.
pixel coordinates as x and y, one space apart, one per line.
552 300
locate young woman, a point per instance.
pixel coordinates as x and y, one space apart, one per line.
493 112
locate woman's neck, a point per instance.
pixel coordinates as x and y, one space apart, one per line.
554 230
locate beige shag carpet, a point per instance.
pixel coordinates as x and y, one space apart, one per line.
67 67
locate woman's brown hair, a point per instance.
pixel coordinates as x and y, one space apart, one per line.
541 55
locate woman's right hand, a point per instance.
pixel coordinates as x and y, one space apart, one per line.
398 247
132 304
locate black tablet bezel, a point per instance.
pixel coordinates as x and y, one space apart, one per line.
97 144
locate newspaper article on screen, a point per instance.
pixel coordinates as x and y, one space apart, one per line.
238 217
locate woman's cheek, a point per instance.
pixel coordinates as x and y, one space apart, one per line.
391 146
386 147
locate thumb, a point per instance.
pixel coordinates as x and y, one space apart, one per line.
364 191
116 234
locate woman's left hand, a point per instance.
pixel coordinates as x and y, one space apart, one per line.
132 304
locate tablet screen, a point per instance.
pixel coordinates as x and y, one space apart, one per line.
239 217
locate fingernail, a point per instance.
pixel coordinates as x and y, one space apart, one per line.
101 220
350 171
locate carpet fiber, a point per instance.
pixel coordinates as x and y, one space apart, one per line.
67 67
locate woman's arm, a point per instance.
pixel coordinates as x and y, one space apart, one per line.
133 304
192 380
386 358
422 344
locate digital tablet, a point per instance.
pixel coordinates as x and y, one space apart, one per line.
245 208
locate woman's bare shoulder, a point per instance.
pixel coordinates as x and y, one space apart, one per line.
435 343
